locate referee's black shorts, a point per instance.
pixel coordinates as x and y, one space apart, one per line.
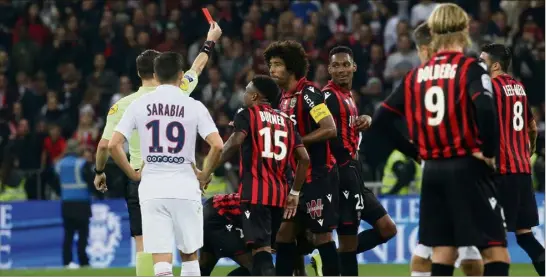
133 207
459 205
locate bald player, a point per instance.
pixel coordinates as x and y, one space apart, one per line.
469 259
145 68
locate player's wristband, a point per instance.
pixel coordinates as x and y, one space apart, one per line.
207 47
294 192
98 172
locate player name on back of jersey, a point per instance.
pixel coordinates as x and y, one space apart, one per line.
514 90
436 71
266 116
165 110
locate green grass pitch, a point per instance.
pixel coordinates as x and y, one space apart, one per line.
364 270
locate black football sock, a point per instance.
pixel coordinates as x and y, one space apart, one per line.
349 263
240 271
534 249
368 240
286 253
330 259
441 270
263 264
496 269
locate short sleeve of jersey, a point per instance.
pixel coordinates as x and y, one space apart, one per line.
395 101
205 125
313 102
478 80
189 82
331 102
242 121
114 116
128 122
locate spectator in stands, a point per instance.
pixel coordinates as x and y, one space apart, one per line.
78 53
103 78
400 62
87 133
27 147
125 88
52 111
421 12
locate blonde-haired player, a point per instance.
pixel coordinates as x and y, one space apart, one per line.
448 25
448 107
469 258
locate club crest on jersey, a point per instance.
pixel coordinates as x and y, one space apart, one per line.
314 208
293 102
113 109
185 84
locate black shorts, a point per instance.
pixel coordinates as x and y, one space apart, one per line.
318 206
516 194
222 237
260 224
133 207
356 201
459 206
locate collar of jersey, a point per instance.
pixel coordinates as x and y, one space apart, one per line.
302 82
447 52
146 89
338 88
166 87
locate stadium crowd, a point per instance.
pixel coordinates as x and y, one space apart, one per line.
64 63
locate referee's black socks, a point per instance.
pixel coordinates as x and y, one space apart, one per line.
286 254
534 249
263 264
330 259
496 269
441 270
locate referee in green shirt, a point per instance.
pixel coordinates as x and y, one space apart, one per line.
145 68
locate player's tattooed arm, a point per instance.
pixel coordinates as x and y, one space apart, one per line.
232 146
303 161
241 128
314 103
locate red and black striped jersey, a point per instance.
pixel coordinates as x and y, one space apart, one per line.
265 154
305 106
227 205
513 155
437 99
341 104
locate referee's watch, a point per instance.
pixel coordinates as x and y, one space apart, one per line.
98 172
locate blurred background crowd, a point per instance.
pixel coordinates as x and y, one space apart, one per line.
64 63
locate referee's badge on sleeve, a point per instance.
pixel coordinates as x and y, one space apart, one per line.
113 109
185 83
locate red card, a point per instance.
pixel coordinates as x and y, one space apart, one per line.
207 15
